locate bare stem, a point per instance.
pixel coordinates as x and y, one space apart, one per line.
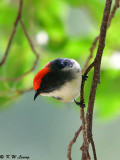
85 142
12 34
116 5
96 75
96 64
18 19
72 142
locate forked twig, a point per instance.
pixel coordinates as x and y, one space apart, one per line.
18 19
96 75
116 5
96 65
72 142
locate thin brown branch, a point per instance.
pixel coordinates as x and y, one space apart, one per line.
72 142
12 34
84 156
28 38
83 82
91 54
33 49
116 5
85 142
94 150
84 148
96 64
96 75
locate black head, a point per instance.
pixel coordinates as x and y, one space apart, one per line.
61 64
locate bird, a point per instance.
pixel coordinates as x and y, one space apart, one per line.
60 79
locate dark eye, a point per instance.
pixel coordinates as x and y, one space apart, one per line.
62 65
68 63
65 63
71 65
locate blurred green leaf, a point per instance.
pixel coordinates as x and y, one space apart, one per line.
51 16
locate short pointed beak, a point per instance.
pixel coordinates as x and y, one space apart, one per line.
36 94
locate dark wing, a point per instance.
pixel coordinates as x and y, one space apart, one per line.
54 80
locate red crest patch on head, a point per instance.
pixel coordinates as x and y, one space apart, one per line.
38 77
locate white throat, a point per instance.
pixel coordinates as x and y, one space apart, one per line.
69 91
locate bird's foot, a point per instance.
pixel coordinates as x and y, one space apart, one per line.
81 103
84 77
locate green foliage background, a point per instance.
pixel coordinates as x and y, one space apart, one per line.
55 17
